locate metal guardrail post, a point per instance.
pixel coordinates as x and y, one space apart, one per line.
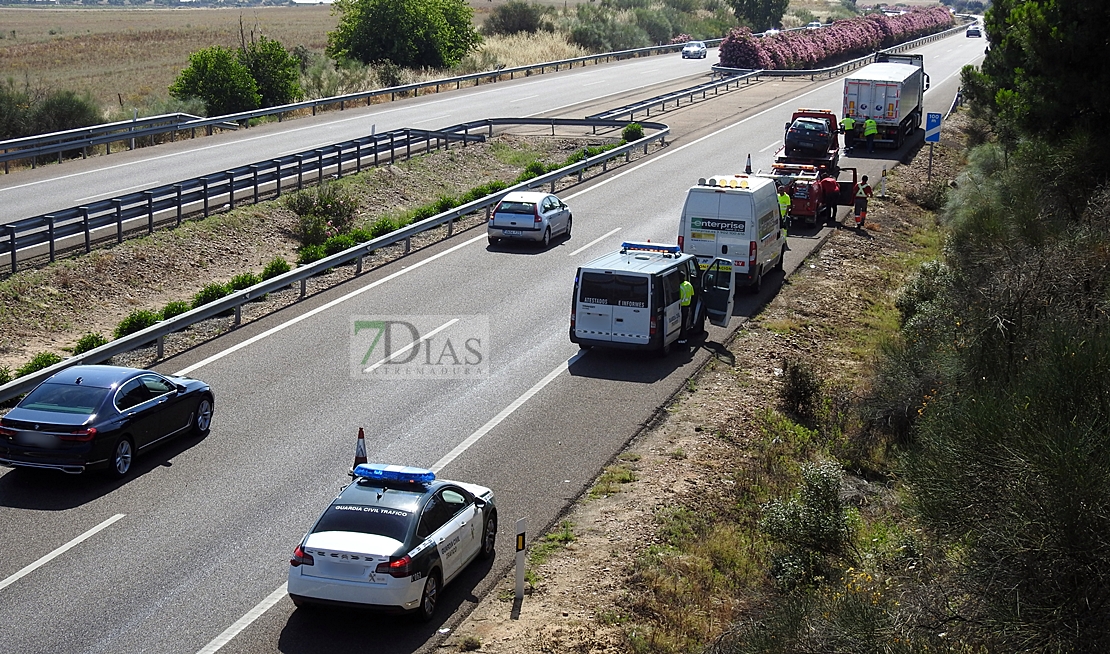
338 161
177 189
254 180
160 341
230 189
85 222
408 144
304 288
277 178
50 235
238 315
319 165
408 244
119 219
149 211
375 146
358 156
300 171
11 245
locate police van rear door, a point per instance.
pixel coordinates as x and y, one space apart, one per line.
718 287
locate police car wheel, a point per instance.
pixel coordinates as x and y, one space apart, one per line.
429 597
570 222
489 537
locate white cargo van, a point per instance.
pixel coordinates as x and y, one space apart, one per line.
630 299
734 217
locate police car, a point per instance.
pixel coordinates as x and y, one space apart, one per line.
391 540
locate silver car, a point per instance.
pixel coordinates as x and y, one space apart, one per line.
694 50
529 216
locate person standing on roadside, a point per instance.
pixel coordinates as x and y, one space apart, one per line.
870 129
863 192
685 296
784 204
848 127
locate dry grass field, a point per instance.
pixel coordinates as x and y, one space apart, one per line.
136 53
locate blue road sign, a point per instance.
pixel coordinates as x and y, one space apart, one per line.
932 128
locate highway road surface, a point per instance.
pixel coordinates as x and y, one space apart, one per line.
190 554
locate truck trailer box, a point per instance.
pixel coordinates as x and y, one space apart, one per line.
892 94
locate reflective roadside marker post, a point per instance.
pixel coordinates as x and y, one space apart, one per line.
882 184
521 526
932 135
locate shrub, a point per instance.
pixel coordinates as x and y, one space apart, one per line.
337 244
210 293
512 17
175 308
216 76
88 342
445 203
245 280
277 266
360 234
382 226
632 132
310 253
5 375
814 518
534 169
40 361
800 395
138 320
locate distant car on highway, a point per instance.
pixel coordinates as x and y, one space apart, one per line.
974 32
814 25
694 50
101 417
529 216
391 540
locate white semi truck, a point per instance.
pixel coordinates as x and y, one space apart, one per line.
892 92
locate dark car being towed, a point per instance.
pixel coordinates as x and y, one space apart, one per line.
100 417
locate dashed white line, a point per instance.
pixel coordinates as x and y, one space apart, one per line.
527 97
242 623
60 551
595 241
429 120
408 347
775 144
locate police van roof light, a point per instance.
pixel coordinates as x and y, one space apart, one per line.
382 472
650 247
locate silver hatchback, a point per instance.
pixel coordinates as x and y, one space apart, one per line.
529 216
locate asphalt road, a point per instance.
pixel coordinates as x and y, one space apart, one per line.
189 555
51 188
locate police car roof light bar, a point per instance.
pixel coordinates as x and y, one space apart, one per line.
650 247
382 472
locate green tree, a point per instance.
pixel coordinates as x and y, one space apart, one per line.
216 76
274 69
409 33
762 14
1037 75
513 17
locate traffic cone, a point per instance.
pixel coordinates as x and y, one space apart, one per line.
748 167
360 449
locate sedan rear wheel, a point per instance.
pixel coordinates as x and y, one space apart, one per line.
203 421
429 597
122 457
547 237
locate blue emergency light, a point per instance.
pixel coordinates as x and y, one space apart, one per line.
651 247
383 472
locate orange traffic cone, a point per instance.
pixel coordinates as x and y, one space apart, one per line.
748 167
360 449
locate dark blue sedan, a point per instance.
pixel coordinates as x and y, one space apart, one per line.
100 417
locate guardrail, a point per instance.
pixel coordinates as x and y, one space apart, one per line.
234 302
832 71
677 96
59 142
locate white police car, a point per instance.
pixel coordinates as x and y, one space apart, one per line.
391 540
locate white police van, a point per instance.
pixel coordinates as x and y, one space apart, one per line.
630 299
734 217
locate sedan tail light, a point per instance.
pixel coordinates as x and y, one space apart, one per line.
396 567
301 557
82 435
4 431
536 211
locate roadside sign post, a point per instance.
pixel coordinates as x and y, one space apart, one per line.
932 135
521 526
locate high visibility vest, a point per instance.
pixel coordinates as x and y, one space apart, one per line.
861 191
685 292
784 204
870 127
848 123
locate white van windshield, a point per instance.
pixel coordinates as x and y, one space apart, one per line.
614 290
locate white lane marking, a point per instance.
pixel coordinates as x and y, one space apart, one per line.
429 120
58 552
242 623
118 192
595 241
528 97
601 81
769 147
292 321
411 345
505 413
267 603
300 150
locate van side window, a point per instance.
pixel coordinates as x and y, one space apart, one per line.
767 225
671 282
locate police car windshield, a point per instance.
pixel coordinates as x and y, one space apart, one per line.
516 207
614 290
360 518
